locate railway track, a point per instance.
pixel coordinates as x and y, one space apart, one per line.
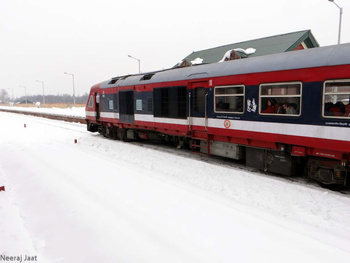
184 152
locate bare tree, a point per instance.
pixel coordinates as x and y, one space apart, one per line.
4 96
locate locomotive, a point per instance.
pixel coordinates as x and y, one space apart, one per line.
286 113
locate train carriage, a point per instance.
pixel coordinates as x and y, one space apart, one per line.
280 113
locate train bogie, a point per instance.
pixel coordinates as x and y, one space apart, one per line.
328 171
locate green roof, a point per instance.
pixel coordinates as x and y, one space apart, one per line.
263 46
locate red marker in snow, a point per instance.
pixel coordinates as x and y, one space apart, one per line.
2 188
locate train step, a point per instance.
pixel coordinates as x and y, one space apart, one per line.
197 145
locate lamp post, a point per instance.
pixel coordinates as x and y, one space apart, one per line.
340 18
25 93
73 86
42 82
138 61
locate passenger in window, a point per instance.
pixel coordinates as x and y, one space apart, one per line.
282 109
288 109
327 109
347 110
270 107
338 109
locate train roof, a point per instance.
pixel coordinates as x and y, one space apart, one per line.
316 57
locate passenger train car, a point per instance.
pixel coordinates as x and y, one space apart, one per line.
283 113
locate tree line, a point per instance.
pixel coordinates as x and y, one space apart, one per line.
64 98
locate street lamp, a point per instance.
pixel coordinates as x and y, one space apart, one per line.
138 61
42 82
25 93
73 86
340 18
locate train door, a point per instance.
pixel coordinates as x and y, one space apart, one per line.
126 106
198 118
97 99
198 111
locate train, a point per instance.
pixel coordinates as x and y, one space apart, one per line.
286 113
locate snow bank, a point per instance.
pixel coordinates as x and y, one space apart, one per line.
70 112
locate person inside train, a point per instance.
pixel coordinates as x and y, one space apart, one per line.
337 109
282 109
270 107
347 110
327 109
288 109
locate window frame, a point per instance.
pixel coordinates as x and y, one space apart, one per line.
91 102
281 96
230 95
324 94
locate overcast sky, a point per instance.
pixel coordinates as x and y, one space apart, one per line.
41 39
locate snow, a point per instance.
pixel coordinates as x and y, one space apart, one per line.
100 200
247 51
197 61
71 112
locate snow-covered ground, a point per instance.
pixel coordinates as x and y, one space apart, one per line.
108 201
71 112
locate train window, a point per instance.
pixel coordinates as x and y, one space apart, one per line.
336 98
169 102
91 102
149 104
147 76
139 105
182 102
115 100
280 99
229 99
113 81
199 99
111 105
164 104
